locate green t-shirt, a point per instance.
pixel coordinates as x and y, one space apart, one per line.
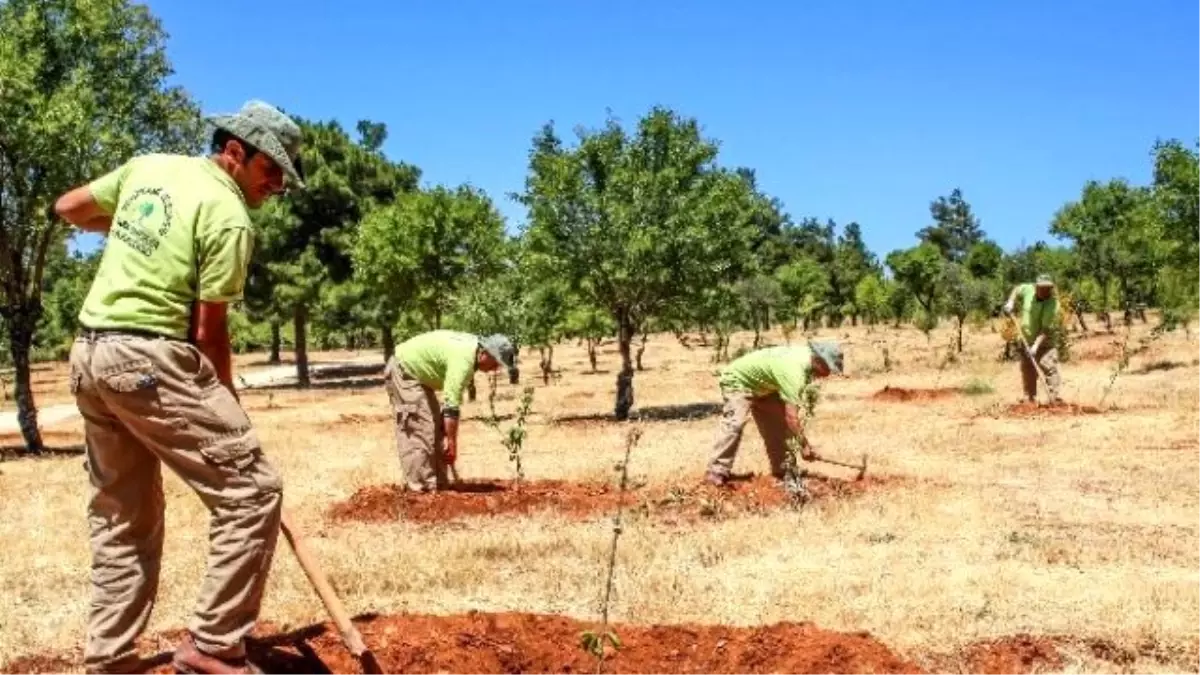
786 370
1036 315
441 360
180 233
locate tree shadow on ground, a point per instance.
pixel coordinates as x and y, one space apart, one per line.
1166 364
348 376
663 413
11 452
288 652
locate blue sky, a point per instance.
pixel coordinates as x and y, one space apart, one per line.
861 111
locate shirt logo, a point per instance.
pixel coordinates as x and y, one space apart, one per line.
143 219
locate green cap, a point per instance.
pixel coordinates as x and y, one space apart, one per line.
501 349
1044 280
830 352
270 131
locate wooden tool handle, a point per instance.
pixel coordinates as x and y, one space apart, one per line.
320 583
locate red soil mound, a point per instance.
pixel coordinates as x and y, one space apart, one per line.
384 503
1030 409
529 643
902 394
1016 654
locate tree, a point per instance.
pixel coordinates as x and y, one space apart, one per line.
805 285
984 258
918 270
306 238
82 89
853 262
870 297
421 250
635 221
961 295
760 295
1118 236
955 228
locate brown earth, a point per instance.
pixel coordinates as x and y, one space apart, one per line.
479 642
384 503
1016 654
1031 409
889 393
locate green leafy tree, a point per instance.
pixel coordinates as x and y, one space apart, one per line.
806 286
1118 236
428 246
962 294
306 238
82 89
918 271
634 221
871 298
955 229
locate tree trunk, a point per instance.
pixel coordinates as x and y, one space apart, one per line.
854 320
471 391
591 349
641 350
389 340
546 359
625 377
960 333
20 340
757 335
300 325
276 340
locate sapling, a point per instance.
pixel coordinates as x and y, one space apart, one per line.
514 438
793 475
1126 354
594 641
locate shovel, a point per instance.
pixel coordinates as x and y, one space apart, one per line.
1029 354
350 635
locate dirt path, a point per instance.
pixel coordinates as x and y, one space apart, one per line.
275 375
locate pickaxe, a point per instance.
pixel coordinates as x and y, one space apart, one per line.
862 468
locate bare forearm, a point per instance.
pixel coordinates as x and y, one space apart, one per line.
220 354
450 430
99 225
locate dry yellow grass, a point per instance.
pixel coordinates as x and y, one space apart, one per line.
1083 525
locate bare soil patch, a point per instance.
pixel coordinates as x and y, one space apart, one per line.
1031 409
900 394
1015 654
532 643
385 503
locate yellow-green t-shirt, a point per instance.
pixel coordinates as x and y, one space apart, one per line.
784 370
443 360
1037 316
180 233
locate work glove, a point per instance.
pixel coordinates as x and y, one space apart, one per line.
1008 308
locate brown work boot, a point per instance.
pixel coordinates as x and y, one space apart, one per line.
189 659
130 664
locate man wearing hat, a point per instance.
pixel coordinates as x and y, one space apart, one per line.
1039 315
440 360
151 374
768 384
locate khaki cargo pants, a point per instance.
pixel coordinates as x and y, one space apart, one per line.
418 419
768 412
1047 358
150 401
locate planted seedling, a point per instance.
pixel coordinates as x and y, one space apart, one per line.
594 641
514 437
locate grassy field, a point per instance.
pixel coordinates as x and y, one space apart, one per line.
1084 525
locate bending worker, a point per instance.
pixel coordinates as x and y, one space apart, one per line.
151 373
768 384
440 360
1039 315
